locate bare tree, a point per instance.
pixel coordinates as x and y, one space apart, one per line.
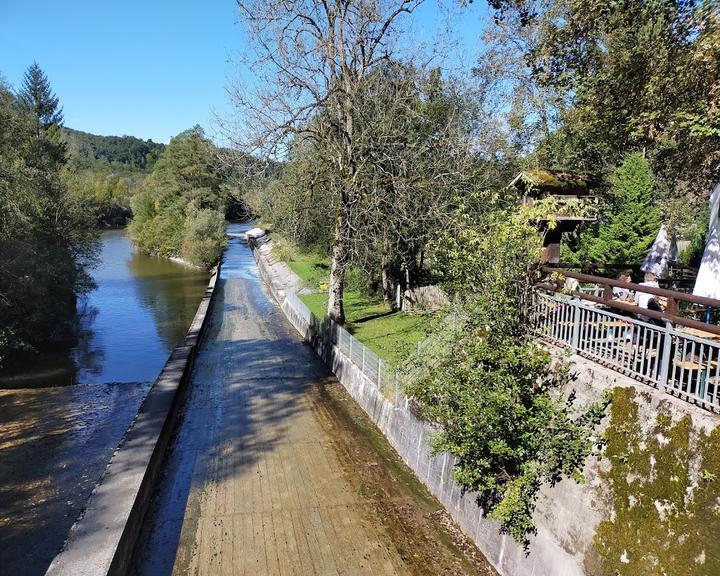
304 77
419 130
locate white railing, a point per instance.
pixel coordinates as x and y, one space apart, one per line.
667 357
327 333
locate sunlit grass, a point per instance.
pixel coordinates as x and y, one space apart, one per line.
391 335
314 269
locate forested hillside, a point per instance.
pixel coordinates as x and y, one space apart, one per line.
123 154
104 172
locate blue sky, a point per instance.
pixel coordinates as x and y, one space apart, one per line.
148 68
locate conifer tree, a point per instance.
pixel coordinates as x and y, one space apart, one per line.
38 98
627 230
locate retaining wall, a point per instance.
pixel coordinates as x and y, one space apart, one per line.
567 515
101 542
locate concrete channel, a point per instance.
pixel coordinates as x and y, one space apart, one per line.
274 469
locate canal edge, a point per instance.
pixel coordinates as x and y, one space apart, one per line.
102 540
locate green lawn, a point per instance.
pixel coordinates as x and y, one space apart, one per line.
312 268
391 335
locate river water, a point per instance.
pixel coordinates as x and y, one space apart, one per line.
139 311
64 412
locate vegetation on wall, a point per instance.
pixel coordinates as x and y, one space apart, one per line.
180 209
505 409
663 488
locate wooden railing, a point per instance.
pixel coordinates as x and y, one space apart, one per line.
673 298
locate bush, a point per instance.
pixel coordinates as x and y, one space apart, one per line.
204 238
500 401
180 209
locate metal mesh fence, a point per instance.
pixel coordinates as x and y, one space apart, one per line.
327 331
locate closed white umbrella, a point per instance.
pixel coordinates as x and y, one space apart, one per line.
708 279
660 255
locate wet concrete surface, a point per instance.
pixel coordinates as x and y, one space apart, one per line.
54 446
275 470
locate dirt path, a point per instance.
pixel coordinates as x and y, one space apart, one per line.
275 470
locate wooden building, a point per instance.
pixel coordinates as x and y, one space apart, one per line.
572 196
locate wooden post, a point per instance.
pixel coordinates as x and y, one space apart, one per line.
551 246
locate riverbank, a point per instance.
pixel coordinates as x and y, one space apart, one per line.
104 537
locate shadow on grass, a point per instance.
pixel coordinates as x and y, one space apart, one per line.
374 316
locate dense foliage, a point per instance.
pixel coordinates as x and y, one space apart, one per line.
414 139
180 209
105 194
45 235
592 81
630 222
504 407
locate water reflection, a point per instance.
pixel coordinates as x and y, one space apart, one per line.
128 325
169 293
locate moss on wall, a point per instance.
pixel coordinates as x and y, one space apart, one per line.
664 487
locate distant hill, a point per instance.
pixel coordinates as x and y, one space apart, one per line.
119 153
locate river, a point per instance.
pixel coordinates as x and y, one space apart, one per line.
128 325
64 412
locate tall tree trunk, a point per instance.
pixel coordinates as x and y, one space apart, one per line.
387 287
336 289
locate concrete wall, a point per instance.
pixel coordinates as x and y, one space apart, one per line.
103 539
567 515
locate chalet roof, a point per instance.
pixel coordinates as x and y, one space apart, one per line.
538 182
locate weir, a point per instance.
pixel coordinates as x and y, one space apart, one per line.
574 521
252 455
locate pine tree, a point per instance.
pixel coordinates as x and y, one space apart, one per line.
38 98
627 230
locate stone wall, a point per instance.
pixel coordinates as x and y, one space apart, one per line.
102 540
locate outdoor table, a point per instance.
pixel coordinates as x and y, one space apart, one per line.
700 333
699 363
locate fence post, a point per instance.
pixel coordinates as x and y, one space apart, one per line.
666 360
575 338
397 389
